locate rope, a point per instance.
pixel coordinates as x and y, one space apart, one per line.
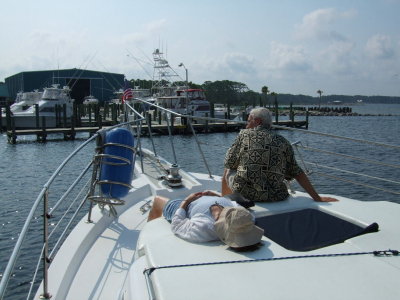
357 183
378 253
353 173
337 136
351 157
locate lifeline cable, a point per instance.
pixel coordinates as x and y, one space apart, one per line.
388 252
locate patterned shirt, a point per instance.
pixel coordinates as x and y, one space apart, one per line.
262 160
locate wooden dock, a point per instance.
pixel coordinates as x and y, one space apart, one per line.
156 129
90 119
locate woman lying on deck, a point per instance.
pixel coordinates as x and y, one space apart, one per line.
206 216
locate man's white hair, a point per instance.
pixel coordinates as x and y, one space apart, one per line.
264 115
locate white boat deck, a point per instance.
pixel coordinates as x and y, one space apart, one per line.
108 256
326 277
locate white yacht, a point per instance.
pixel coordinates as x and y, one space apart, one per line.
186 101
88 100
169 94
25 100
51 98
310 250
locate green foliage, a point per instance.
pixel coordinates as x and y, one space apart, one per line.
237 93
141 83
225 91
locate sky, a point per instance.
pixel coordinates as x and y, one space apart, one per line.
341 47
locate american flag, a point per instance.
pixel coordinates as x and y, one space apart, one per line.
128 94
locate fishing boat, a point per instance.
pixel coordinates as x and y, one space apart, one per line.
186 101
55 104
169 94
310 250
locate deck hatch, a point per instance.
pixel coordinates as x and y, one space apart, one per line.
309 229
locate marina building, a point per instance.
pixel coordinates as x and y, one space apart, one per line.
3 94
82 83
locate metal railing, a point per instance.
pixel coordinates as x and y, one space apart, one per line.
70 215
43 199
136 123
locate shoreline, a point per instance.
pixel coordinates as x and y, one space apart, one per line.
333 114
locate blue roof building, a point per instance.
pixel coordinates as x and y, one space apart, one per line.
83 83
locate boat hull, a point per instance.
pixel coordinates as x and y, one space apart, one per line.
30 122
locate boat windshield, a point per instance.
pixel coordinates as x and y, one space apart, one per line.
53 94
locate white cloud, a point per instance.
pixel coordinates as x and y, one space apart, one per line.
48 50
238 62
82 49
288 58
156 26
319 25
380 46
337 58
231 66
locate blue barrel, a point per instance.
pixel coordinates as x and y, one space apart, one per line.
122 171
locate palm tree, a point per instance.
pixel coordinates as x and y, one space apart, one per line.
265 91
320 95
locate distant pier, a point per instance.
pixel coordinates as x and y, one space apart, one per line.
91 118
69 133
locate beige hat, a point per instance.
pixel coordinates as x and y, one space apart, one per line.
235 227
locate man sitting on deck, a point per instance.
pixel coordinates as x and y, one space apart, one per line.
261 161
206 216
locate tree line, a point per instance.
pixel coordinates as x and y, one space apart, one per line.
238 94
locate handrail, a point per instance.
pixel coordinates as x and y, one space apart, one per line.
11 263
375 162
188 116
354 173
337 136
298 145
274 127
169 113
200 150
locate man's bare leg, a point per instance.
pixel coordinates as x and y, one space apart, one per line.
157 208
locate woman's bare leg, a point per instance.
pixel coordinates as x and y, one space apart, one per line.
157 208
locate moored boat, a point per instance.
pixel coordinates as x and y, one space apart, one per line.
46 109
25 100
168 92
90 100
186 101
113 253
221 111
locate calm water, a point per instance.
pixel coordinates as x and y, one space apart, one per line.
26 166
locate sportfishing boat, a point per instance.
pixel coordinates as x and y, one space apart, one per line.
186 101
310 250
54 104
169 94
